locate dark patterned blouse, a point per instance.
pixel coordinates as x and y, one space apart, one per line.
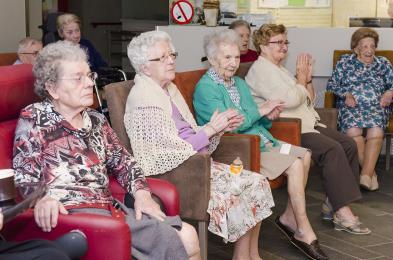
75 162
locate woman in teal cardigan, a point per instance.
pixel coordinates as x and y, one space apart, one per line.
220 90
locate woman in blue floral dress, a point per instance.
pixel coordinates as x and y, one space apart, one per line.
363 85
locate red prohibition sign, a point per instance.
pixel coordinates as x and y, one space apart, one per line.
182 12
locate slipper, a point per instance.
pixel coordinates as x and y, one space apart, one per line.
312 251
287 231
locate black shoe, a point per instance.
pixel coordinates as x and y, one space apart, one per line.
73 243
312 251
287 231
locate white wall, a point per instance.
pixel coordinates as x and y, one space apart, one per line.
34 18
12 24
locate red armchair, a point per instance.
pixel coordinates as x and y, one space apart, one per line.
107 237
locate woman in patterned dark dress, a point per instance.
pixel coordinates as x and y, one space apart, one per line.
363 85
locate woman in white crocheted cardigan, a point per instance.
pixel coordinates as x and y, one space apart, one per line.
164 134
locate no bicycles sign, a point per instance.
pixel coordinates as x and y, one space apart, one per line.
182 12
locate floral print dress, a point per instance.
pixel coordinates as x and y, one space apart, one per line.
237 202
367 83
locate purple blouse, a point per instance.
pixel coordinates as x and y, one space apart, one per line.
198 140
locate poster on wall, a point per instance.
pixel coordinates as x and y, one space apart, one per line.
272 3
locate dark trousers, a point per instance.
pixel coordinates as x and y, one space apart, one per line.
337 154
32 249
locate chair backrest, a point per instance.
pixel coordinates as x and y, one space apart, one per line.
8 58
338 53
17 91
116 97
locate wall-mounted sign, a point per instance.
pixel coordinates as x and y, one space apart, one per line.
182 12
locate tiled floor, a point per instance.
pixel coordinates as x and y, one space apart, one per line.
375 211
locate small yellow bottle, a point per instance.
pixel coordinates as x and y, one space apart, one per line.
236 166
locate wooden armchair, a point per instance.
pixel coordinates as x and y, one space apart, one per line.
8 58
330 99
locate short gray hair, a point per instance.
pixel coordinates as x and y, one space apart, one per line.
27 42
48 64
138 49
212 41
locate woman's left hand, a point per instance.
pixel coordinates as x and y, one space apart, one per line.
386 99
144 203
274 114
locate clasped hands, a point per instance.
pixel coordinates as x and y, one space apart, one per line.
221 122
47 210
385 100
304 66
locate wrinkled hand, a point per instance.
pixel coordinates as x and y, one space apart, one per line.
274 114
144 203
234 123
269 105
46 213
386 99
304 68
219 122
350 101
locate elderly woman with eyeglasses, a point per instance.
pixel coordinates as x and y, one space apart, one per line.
219 89
163 134
28 49
72 147
335 152
363 85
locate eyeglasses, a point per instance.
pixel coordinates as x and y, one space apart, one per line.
281 43
81 79
34 53
165 58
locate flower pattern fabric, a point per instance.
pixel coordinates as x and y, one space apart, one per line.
74 162
367 83
237 202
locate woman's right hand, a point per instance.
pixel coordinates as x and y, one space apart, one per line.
350 100
270 105
46 213
303 68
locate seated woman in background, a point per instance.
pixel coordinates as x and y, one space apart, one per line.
335 152
69 29
219 90
363 85
73 148
243 29
164 134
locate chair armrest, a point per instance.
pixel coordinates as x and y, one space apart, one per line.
192 181
328 116
244 146
167 193
102 233
164 190
330 100
287 130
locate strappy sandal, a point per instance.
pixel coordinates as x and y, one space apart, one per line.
353 227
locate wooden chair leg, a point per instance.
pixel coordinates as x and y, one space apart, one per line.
387 151
202 235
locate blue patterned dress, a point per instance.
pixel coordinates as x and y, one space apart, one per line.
367 83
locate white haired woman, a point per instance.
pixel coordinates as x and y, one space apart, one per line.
72 147
220 89
164 134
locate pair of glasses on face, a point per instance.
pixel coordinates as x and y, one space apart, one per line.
165 57
34 53
81 79
280 43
